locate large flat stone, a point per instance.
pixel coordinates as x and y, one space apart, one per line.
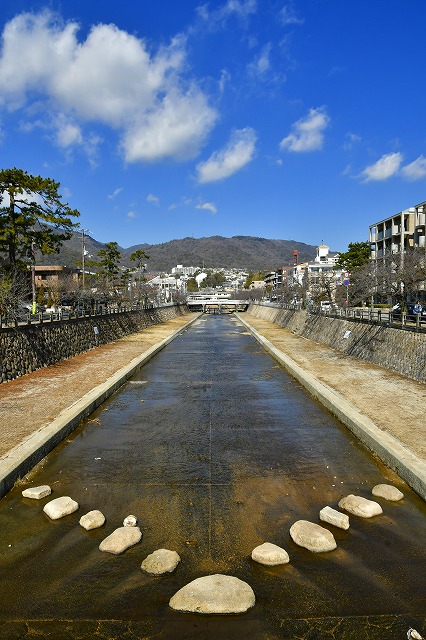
341 520
121 539
359 506
270 554
214 594
388 492
312 537
37 493
60 507
160 562
92 520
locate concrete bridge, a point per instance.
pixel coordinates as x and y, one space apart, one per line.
219 305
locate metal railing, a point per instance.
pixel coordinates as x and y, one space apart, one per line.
386 317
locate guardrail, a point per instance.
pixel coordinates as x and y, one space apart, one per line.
386 317
29 318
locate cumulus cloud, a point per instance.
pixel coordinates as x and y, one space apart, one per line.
207 206
222 164
308 132
416 170
386 167
109 78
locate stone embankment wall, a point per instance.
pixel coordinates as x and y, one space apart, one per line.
29 347
397 349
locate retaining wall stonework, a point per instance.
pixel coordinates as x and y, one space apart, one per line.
30 347
396 349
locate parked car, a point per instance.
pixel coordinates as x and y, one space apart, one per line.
411 315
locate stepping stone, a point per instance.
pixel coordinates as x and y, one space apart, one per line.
388 492
60 507
92 520
121 539
160 562
270 554
214 594
37 493
341 520
312 536
359 506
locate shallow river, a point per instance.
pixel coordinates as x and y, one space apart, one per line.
216 450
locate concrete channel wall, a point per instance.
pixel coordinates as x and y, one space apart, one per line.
29 347
397 349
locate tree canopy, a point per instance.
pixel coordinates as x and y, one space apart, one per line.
32 215
357 255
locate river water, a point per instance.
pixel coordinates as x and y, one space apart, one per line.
216 450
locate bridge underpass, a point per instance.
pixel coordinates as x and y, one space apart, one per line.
215 450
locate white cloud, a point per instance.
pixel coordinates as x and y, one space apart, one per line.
207 206
109 78
416 170
260 66
153 199
308 132
222 164
131 215
115 193
386 167
242 9
288 16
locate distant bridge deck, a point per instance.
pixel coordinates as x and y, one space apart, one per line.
221 305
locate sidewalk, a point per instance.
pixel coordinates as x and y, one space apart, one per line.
384 409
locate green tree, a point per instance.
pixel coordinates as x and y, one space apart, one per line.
139 256
357 255
109 263
191 285
33 215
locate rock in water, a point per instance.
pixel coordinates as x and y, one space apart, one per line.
121 539
312 536
130 521
60 507
388 492
341 520
360 506
270 554
160 562
214 594
37 493
92 520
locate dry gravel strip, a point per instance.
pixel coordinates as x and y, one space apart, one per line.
394 403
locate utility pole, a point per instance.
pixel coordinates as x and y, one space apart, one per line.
83 255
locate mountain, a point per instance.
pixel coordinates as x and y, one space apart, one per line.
245 252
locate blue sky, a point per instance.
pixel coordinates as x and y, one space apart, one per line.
298 120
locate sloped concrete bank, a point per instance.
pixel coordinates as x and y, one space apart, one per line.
30 347
395 349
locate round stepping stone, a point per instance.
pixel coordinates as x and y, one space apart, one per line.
341 520
270 554
388 492
37 493
312 537
92 520
214 594
130 521
60 507
160 562
359 506
121 539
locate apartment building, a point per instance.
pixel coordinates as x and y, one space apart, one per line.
399 232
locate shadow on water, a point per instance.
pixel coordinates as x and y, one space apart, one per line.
216 450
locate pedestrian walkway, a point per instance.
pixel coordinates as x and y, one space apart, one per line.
385 406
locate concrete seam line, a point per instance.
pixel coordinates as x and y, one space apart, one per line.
406 463
29 452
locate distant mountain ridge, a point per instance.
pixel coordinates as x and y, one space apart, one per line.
244 252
